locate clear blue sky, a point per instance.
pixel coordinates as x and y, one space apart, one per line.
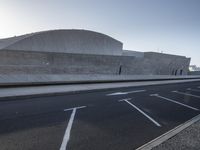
171 26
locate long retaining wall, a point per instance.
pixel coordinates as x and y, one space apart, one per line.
36 68
24 62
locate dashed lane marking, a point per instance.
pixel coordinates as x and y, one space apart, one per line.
125 93
69 127
196 96
142 112
173 101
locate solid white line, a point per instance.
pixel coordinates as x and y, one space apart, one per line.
151 119
74 108
68 130
189 89
125 93
186 94
173 101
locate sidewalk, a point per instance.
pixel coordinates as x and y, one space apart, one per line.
28 91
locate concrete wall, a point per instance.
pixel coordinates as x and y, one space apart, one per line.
133 53
82 52
65 41
23 62
168 64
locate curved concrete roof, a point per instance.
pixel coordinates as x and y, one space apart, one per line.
65 41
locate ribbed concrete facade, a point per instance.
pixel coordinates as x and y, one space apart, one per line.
82 52
22 62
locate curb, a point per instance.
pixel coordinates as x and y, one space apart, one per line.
159 140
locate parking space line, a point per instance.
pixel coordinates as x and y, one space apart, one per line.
173 101
125 93
186 94
189 89
142 112
125 99
69 127
80 107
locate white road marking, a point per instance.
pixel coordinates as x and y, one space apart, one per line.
173 101
80 107
117 93
189 89
125 99
196 96
138 109
69 127
125 93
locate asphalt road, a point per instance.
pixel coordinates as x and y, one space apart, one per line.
121 119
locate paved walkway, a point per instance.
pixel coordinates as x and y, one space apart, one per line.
74 88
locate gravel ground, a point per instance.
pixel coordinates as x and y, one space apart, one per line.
188 139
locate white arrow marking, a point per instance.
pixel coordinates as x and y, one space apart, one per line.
125 93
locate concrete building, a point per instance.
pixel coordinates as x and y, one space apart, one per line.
64 41
82 52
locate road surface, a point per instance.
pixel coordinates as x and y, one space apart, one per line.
121 119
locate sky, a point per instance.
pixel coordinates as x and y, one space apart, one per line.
168 26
